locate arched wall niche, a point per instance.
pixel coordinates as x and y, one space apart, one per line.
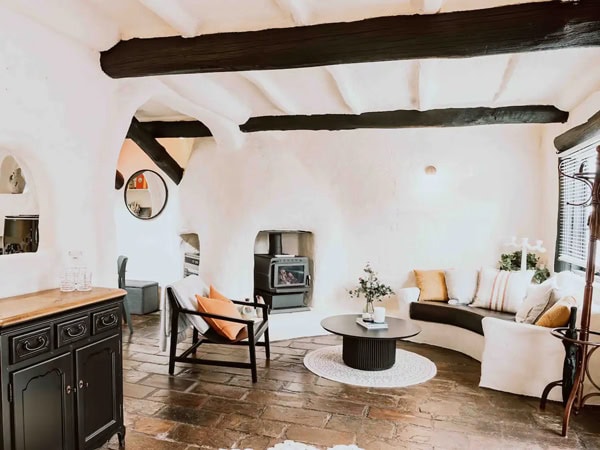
19 206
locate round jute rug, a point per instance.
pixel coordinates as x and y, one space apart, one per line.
409 369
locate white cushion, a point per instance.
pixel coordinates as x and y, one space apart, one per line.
536 301
186 291
461 284
502 290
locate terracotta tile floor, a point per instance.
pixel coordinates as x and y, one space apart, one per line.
218 407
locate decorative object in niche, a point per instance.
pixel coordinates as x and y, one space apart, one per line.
12 180
16 181
146 194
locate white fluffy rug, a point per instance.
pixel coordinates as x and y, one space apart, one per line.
409 369
291 445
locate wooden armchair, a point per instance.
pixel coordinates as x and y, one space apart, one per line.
248 336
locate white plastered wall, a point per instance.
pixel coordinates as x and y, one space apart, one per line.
152 246
365 197
63 119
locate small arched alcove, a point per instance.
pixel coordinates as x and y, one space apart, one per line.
19 212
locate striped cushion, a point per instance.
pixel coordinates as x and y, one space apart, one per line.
501 290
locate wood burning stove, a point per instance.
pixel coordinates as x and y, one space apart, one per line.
281 279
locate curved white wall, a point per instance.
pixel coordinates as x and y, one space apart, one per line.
365 196
152 246
59 114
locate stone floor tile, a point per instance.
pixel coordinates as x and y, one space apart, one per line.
255 442
206 437
263 427
138 441
274 398
141 406
379 428
238 407
319 436
133 376
136 390
296 415
219 390
174 383
192 416
284 375
336 406
152 426
162 369
175 398
145 357
131 349
262 383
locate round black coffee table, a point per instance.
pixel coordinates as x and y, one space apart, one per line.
369 349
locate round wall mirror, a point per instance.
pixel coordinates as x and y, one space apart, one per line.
146 194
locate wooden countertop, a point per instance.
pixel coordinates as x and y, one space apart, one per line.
21 308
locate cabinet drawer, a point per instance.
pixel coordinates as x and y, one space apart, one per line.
28 345
106 320
73 330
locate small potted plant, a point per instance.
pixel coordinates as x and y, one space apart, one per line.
371 288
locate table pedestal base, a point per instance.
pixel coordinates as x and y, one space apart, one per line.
368 354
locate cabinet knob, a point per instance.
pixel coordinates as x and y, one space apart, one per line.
80 384
69 389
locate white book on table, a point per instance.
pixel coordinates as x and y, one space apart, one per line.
371 325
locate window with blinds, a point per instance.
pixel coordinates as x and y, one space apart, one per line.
573 232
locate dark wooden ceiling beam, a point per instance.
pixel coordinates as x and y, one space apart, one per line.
452 117
157 153
579 134
506 29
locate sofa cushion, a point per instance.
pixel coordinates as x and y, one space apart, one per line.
536 302
461 284
432 285
462 316
502 290
558 315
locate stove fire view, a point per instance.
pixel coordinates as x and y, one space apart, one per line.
281 279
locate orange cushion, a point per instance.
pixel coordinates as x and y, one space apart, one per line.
432 285
216 294
227 308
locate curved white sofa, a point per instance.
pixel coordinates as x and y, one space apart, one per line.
515 357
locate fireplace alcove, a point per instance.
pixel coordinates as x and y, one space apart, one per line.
283 268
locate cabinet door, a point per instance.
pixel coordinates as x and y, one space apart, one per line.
98 370
42 407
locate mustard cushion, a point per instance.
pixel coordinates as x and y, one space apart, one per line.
432 284
226 307
558 314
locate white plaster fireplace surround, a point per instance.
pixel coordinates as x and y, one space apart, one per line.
365 197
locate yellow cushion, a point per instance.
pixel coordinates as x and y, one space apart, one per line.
432 284
558 314
223 308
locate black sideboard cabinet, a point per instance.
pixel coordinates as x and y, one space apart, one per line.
62 378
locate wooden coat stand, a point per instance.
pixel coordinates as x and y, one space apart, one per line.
582 338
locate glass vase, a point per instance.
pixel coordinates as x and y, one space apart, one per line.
369 309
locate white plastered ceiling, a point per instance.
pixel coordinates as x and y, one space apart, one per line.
562 78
